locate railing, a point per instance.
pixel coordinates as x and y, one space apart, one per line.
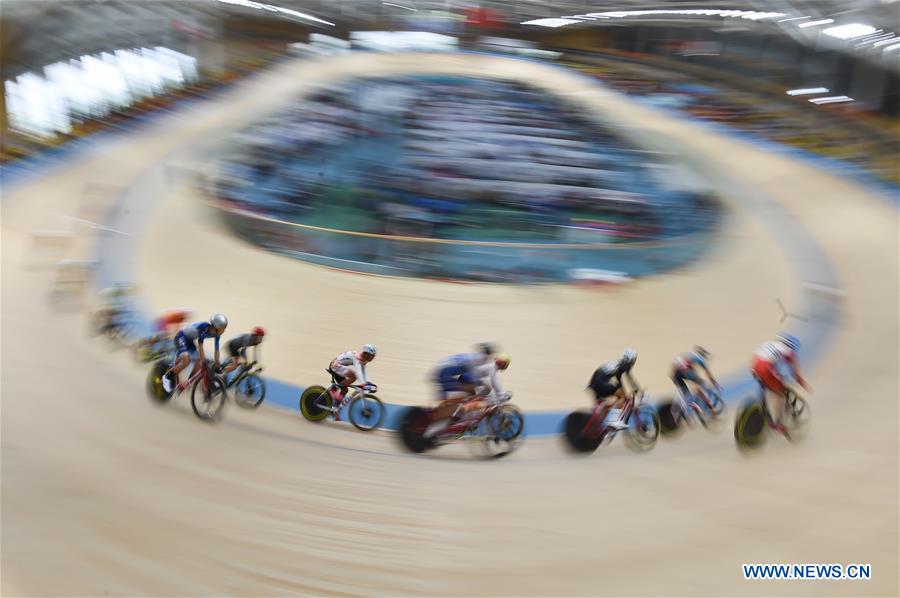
461 259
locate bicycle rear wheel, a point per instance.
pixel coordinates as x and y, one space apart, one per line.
670 417
154 382
413 423
315 403
208 405
750 425
573 431
250 391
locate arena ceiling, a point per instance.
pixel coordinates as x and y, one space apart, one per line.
81 26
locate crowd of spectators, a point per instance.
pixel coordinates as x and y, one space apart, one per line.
454 158
811 128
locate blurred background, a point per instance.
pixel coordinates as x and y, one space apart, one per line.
401 139
456 159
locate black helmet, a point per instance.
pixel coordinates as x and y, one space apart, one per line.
486 348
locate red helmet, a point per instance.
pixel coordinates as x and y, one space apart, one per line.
258 331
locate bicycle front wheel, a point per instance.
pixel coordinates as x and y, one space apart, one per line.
207 402
644 428
366 412
507 423
250 391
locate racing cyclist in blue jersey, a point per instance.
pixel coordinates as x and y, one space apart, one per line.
189 346
684 370
461 377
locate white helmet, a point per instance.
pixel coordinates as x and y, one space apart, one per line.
370 349
629 356
218 321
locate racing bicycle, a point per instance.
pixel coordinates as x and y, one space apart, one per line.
207 389
585 431
365 409
754 419
493 420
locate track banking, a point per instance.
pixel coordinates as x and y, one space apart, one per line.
807 571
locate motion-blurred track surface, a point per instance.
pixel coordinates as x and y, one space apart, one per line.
105 494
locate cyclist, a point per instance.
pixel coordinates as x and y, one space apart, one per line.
348 368
237 348
168 324
186 349
164 328
462 377
684 370
458 373
606 383
112 305
775 366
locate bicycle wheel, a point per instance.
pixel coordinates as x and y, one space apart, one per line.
718 405
413 423
643 430
208 406
797 421
572 430
750 425
507 423
155 388
117 336
669 415
250 391
366 412
315 403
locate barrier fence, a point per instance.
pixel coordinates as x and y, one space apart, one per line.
514 262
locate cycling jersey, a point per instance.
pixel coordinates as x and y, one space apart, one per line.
772 363
342 364
199 331
607 379
688 361
463 369
239 344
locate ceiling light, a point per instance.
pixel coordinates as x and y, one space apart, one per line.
814 23
849 31
889 48
885 40
400 6
831 100
792 19
551 22
703 12
806 91
271 8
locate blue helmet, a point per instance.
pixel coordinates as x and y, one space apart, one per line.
790 340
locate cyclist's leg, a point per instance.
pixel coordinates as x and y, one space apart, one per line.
233 360
683 391
698 392
773 392
185 351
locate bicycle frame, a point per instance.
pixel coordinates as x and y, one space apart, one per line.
242 372
202 371
469 423
595 426
356 390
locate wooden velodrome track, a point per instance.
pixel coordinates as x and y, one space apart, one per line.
103 494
